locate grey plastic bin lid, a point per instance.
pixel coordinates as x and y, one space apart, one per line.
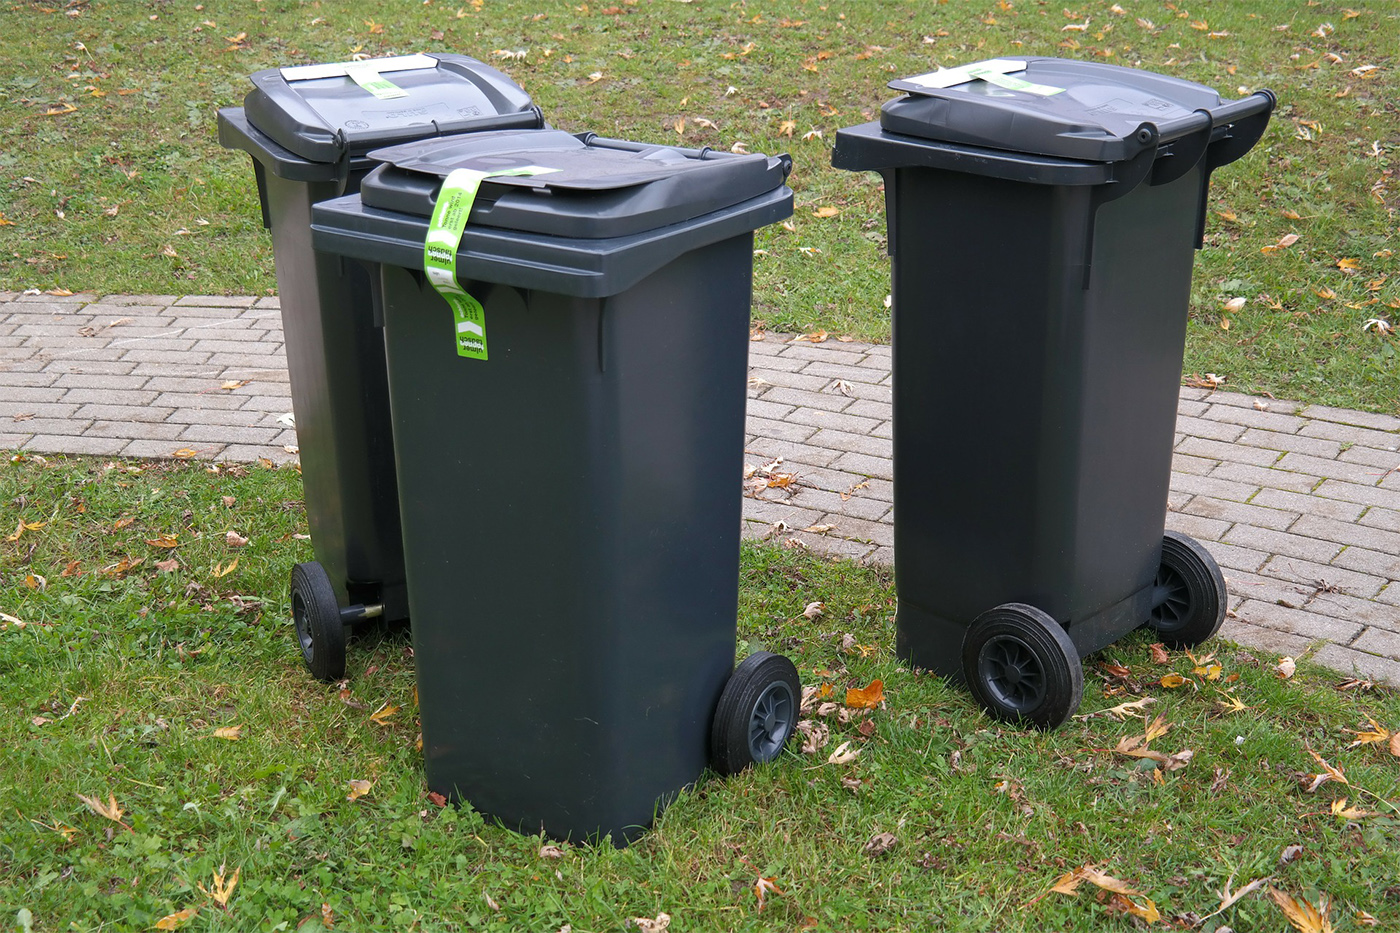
321 114
601 187
1073 110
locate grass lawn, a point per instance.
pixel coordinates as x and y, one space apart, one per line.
145 670
112 181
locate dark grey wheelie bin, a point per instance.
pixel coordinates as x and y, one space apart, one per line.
307 129
571 526
1043 216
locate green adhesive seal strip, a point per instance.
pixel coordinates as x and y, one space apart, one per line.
367 77
449 220
1013 84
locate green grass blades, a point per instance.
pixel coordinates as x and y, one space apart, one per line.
228 791
112 179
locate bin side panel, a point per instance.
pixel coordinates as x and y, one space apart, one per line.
571 533
335 359
1134 337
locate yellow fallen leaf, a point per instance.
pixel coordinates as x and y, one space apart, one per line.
1348 265
1291 214
1172 681
827 211
184 453
222 889
867 697
383 714
1303 915
1284 242
358 789
121 523
1325 293
787 127
221 571
176 920
110 810
231 733
166 540
1343 812
1376 734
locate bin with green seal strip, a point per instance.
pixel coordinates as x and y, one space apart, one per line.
308 129
567 382
1043 216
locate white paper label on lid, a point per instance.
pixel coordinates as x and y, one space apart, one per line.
948 77
342 69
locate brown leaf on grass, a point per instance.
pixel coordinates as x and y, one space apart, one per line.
176 920
71 570
814 610
787 127
229 733
1375 735
167 566
1131 708
1159 654
1343 812
121 566
1228 897
1284 242
548 851
1366 920
763 887
384 714
1328 773
827 211
878 844
1070 881
1285 668
1208 381
358 789
109 810
816 336
165 540
867 697
122 522
658 924
843 754
1395 745
221 571
815 736
1302 914
234 539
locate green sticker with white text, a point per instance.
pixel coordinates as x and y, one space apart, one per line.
369 78
449 220
1013 84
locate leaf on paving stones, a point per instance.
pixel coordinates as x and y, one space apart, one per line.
234 384
1285 667
221 571
165 540
222 888
827 211
1172 681
659 924
384 714
288 418
1376 734
842 386
229 733
1302 914
176 920
817 530
867 697
110 810
1159 654
167 566
814 609
1343 812
234 539
846 496
843 754
184 453
1284 242
818 336
547 851
878 844
780 480
764 887
358 789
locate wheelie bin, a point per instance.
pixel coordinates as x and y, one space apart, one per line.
1042 221
567 385
307 129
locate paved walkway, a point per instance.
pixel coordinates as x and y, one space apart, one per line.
1299 503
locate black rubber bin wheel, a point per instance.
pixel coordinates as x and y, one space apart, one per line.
320 632
1189 593
1022 667
757 713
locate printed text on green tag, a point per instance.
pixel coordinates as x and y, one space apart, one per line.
449 220
1013 84
368 77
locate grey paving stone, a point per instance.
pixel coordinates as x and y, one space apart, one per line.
875 393
865 465
1352 492
268 302
1313 504
61 335
65 444
835 420
859 529
765 347
201 383
762 408
13 441
823 353
1388 519
19 393
81 356
1212 486
68 426
860 443
825 500
1365 611
1227 511
793 380
1359 418
766 448
868 408
832 547
1250 417
773 510
1241 400
104 412
830 401
165 450
237 417
207 400
1191 409
136 430
1197 466
11 355
267 402
215 301
240 348
1264 639
1273 441
760 366
837 480
227 434
91 367
1332 469
167 357
1376 641
879 557
81 298
1202 427
151 301
1276 477
1298 621
837 371
1347 581
1219 450
1236 558
10 410
1176 501
107 381
1243 585
1381 460
107 396
248 453
1281 542
1377 539
1382 564
886 429
782 430
175 344
1359 663
1390 595
1202 529
1348 434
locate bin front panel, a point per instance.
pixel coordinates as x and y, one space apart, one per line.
572 533
335 360
1033 416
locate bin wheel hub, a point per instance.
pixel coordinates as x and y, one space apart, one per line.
757 713
771 722
1022 666
1188 593
1010 669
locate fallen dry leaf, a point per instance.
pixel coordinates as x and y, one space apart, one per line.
222 888
763 887
358 789
1303 915
234 539
167 566
827 211
879 844
1159 654
221 571
1376 734
814 610
843 754
230 733
658 924
166 540
1343 812
384 714
1284 242
1286 667
176 920
548 851
110 810
867 697
1172 681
